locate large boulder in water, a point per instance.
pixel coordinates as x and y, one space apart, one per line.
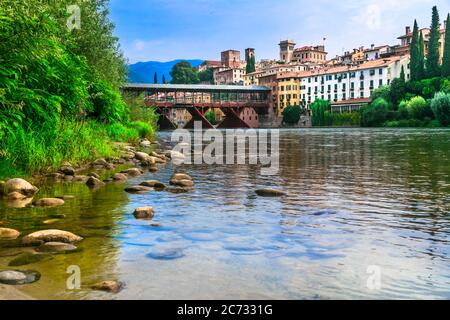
94 183
48 202
20 185
268 192
157 185
40 237
109 286
56 247
144 213
8 234
15 277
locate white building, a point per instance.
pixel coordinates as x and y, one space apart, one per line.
349 87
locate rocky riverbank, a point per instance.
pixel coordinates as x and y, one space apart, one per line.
43 244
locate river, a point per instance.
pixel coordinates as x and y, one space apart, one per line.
361 202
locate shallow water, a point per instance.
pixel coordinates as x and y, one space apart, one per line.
356 198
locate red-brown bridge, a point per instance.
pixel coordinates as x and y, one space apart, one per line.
232 100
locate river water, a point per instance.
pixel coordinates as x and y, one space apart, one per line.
364 207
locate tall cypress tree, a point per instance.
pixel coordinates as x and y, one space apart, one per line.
402 74
155 78
421 64
415 53
433 46
164 81
446 56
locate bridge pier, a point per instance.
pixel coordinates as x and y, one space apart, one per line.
233 119
198 114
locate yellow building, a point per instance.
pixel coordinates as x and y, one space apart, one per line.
288 90
252 79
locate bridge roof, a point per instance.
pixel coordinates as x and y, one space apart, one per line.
193 87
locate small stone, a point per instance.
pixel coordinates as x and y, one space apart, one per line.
66 197
51 221
144 213
181 176
15 196
179 190
100 162
68 178
109 286
40 237
133 172
142 156
157 185
49 202
13 277
267 192
56 247
95 175
67 170
8 234
138 189
94 183
153 168
120 177
182 183
55 176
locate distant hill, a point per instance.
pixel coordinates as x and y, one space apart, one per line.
142 72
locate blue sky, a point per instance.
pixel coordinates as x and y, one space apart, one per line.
200 29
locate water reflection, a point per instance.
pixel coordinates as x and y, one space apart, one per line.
356 198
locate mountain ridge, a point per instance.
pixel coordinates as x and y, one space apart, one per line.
143 72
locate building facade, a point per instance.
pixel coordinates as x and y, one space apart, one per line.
346 87
310 54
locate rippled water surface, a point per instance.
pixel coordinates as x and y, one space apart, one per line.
356 198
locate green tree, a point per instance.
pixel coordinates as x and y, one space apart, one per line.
291 114
319 109
206 76
421 63
251 65
164 81
397 91
415 53
184 73
375 114
402 74
155 77
432 64
446 56
440 105
417 108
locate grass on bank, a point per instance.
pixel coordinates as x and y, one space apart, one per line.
29 151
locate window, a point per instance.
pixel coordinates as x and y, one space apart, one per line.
380 71
361 85
352 95
380 82
372 72
335 87
371 84
352 86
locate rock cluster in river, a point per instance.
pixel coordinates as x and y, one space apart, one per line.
52 235
16 277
